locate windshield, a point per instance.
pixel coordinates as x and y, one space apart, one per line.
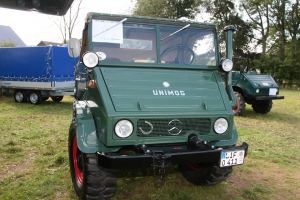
129 42
189 46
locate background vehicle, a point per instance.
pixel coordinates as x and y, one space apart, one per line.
150 93
253 88
37 73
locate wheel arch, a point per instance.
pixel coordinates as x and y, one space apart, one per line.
86 133
84 125
238 89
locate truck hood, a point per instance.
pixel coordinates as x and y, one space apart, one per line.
132 89
261 80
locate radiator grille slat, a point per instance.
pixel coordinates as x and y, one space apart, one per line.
172 127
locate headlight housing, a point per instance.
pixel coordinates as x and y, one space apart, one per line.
90 59
123 128
226 65
220 126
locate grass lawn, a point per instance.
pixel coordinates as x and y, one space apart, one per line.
34 157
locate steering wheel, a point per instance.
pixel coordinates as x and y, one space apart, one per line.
180 48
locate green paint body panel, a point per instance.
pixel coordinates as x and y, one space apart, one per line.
157 92
143 90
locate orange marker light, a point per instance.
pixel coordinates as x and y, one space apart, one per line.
92 84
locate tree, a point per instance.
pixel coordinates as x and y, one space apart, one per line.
172 9
68 21
258 13
293 24
4 43
224 13
278 13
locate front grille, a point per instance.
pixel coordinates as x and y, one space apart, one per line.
264 91
172 127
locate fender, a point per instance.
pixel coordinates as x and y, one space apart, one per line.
86 132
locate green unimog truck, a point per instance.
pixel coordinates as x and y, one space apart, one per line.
151 93
251 87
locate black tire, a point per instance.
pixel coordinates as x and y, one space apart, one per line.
89 180
262 107
240 106
20 96
205 174
35 97
57 98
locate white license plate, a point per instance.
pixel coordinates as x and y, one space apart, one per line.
231 158
272 91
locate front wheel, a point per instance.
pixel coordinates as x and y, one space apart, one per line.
240 106
89 180
262 107
205 174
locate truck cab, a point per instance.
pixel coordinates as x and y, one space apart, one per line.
151 93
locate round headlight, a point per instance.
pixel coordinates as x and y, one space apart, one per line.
123 128
90 59
227 65
220 126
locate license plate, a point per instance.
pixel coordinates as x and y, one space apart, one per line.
231 158
272 91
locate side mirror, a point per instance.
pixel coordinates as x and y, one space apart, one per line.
74 47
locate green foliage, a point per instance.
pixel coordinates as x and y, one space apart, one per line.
225 13
172 9
5 43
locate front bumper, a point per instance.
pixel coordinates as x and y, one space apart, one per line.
115 161
269 97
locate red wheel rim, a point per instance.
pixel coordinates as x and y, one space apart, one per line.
76 156
236 106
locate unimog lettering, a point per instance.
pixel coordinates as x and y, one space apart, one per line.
169 92
126 115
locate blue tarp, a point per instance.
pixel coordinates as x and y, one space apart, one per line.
40 64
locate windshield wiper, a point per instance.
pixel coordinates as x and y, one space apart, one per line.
176 32
123 20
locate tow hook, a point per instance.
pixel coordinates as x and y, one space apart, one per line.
195 144
159 164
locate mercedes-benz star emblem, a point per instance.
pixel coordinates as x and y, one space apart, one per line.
175 127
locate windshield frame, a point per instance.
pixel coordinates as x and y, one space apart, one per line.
157 23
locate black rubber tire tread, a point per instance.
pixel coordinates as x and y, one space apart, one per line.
263 107
39 97
210 174
98 182
101 183
240 104
24 94
57 98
